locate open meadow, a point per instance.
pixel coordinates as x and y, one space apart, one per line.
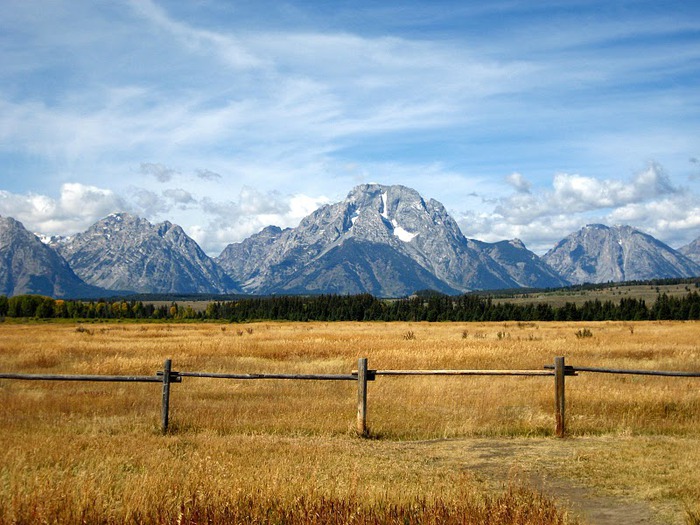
647 292
440 450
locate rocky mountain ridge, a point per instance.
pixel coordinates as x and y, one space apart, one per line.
383 240
598 254
124 252
337 248
28 266
692 250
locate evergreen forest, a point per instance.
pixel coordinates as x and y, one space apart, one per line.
362 307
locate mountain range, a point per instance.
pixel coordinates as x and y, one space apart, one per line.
124 252
597 254
28 266
383 240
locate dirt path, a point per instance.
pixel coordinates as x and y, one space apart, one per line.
586 502
497 461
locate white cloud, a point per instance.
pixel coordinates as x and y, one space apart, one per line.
77 207
674 219
254 202
648 201
519 182
233 221
147 203
573 193
578 193
280 112
230 50
539 235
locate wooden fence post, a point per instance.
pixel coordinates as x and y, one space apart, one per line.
559 396
362 396
167 367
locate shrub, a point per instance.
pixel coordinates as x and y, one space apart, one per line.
584 333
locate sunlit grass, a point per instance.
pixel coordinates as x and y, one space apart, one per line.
95 450
399 407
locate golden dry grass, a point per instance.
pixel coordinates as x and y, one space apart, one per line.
89 449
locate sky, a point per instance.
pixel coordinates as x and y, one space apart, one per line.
524 119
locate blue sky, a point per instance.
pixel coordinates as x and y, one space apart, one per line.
525 119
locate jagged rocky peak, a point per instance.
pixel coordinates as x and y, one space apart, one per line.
599 253
126 252
121 221
386 239
241 260
29 266
377 211
692 250
523 266
372 212
385 200
112 232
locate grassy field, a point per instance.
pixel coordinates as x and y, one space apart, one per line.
555 298
442 450
559 297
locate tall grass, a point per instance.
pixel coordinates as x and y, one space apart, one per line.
399 407
285 451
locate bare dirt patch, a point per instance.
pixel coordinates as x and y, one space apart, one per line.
545 464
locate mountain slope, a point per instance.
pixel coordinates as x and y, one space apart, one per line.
240 260
599 254
395 240
692 251
28 266
122 251
357 266
522 265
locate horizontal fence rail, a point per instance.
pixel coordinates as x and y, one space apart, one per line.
107 379
463 373
302 377
667 373
362 376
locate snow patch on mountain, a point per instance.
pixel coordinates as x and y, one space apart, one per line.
384 213
403 235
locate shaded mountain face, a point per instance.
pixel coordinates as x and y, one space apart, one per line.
522 265
386 240
124 252
241 260
599 254
28 266
357 266
692 251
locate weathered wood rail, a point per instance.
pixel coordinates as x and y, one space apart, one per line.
463 373
559 370
663 373
299 377
102 378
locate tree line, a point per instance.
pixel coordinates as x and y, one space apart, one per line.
362 307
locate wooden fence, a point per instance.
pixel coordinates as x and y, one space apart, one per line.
362 376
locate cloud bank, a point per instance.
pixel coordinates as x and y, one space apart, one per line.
648 201
227 117
538 216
